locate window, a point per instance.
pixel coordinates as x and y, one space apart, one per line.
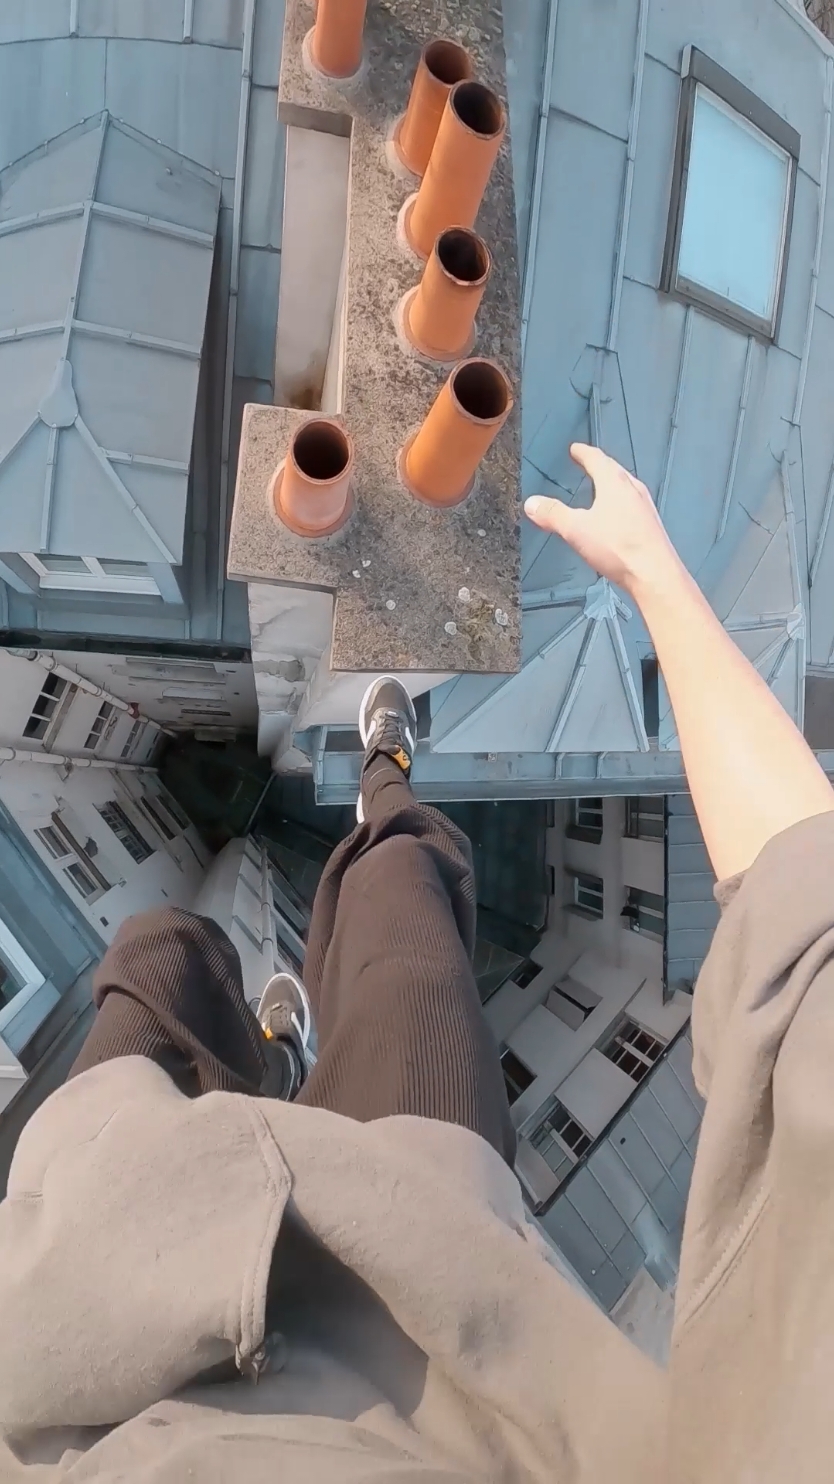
632 1049
91 574
44 712
560 1140
157 818
525 973
517 1077
165 813
645 912
572 1003
125 831
76 859
732 199
53 842
645 818
171 807
20 978
82 880
586 894
650 676
96 732
585 820
132 738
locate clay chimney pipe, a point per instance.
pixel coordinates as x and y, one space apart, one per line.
467 143
440 463
442 64
440 317
336 47
311 492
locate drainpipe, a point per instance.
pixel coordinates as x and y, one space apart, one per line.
68 760
234 285
48 662
538 174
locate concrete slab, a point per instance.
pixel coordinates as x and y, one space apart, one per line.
397 568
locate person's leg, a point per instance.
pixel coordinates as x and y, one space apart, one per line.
170 988
389 968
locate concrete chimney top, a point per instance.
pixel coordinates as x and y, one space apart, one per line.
396 566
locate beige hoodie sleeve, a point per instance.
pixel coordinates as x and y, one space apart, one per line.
753 1349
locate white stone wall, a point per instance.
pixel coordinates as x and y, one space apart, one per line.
623 968
171 875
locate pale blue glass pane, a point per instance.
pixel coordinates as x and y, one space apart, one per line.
733 219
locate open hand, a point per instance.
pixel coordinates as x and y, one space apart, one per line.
622 536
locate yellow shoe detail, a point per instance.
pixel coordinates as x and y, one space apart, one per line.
401 758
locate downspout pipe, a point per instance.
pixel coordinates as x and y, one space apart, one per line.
538 175
69 760
48 662
231 322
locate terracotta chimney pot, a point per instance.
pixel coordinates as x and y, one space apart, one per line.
440 317
440 463
467 144
336 47
311 491
442 64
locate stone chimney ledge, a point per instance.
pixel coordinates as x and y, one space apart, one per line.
394 550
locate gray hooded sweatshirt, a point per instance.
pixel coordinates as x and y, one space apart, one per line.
383 1279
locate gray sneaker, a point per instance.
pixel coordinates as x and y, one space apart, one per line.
387 726
284 1015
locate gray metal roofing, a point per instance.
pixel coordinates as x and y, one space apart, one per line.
200 77
106 250
735 438
702 413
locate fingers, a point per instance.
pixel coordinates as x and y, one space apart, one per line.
551 515
592 460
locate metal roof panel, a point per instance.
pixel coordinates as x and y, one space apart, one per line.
162 88
46 87
116 388
33 20
149 20
130 177
219 22
263 205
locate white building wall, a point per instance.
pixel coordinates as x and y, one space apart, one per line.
171 875
21 682
175 692
623 968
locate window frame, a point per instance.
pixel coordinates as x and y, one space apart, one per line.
125 828
700 71
635 811
574 904
59 701
512 1083
576 829
102 726
24 968
641 916
619 1045
73 855
545 1133
94 580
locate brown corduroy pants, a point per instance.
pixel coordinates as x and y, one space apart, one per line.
388 970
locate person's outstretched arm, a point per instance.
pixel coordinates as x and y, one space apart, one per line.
750 771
